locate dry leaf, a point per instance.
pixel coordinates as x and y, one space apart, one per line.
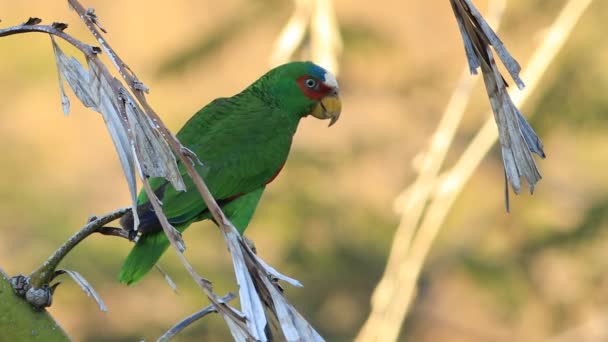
517 138
251 305
103 93
85 286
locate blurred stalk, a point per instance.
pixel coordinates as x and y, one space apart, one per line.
395 291
19 321
595 329
314 22
293 33
325 37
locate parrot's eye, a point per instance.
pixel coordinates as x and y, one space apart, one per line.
310 83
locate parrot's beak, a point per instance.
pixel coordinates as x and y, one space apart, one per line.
328 108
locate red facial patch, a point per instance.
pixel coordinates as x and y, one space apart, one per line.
319 91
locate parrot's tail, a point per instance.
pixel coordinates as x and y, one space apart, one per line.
143 257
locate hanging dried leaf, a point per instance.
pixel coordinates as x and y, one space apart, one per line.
96 93
101 92
276 274
65 100
155 156
517 138
293 325
251 304
516 153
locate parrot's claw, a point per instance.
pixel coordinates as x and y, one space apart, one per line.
132 235
191 155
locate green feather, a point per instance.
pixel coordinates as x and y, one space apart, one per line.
143 257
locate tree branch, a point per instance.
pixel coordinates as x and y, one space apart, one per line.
36 287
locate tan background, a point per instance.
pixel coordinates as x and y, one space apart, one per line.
328 219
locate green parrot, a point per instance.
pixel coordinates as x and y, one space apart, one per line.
243 142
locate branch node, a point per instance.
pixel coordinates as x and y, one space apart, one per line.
59 26
191 156
32 21
90 13
96 50
140 86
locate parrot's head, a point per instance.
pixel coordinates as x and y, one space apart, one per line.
307 89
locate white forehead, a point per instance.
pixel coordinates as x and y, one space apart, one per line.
330 80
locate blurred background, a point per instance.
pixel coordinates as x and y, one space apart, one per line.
328 219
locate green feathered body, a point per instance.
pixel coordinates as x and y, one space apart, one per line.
243 142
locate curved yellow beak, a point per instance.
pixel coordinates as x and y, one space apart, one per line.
328 108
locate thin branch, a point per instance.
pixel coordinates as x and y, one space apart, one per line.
88 50
183 324
44 274
36 288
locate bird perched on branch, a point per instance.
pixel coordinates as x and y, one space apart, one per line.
243 142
